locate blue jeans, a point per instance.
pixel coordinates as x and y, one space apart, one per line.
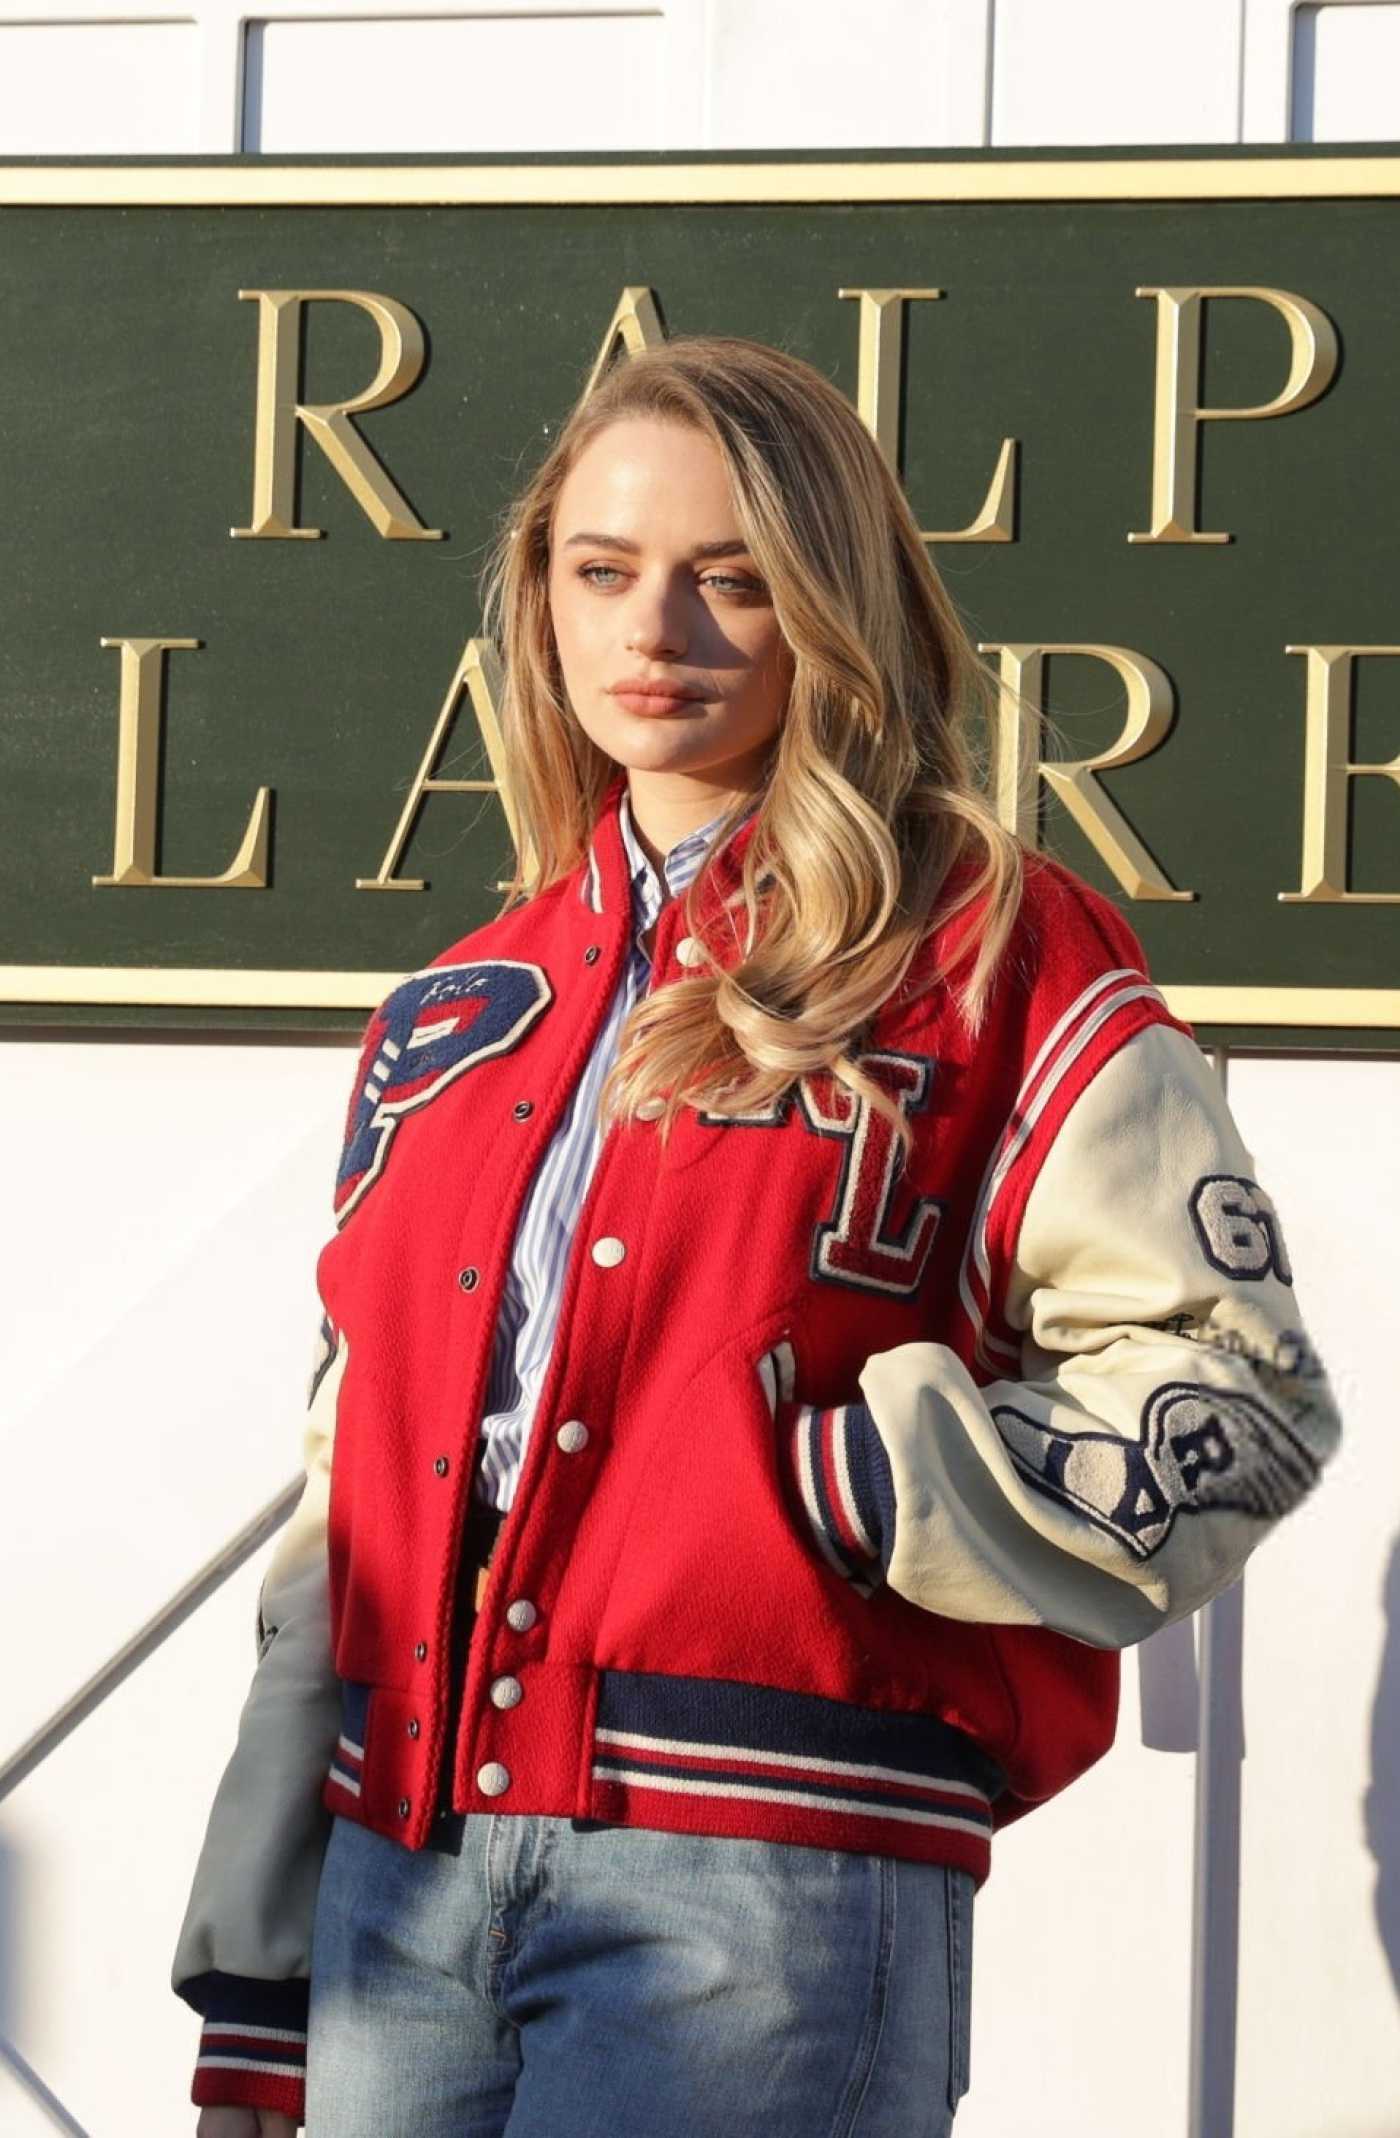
564 1978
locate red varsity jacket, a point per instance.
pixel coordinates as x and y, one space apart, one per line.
849 1477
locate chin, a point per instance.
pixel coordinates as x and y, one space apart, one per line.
661 742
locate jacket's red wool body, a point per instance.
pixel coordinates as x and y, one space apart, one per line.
692 1658
804 1398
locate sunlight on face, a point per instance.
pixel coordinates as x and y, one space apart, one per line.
632 596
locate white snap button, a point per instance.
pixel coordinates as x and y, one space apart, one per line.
507 1692
650 1108
572 1435
608 1251
689 952
493 1779
521 1615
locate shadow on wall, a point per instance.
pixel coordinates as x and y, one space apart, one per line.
1169 1688
9 1959
1382 1802
15 2069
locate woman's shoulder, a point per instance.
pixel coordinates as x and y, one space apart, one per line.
1061 925
1070 963
507 933
1064 917
497 960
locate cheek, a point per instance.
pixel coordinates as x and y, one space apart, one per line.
591 621
570 625
773 667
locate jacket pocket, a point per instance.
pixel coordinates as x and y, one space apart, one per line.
825 1468
708 1520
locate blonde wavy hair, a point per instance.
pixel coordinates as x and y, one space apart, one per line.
872 789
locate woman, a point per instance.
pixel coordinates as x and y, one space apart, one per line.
799 1303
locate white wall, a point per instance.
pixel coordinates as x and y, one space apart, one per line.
157 1278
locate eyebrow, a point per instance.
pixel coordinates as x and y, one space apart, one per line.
701 549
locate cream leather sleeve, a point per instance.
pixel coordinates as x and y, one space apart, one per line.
249 1915
1172 1408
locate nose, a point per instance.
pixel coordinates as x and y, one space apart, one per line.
656 622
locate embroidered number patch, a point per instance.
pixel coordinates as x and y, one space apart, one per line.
1238 1228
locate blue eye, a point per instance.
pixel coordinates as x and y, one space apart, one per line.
734 582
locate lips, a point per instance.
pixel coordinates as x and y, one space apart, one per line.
642 696
655 701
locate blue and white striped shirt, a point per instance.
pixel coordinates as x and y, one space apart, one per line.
535 1281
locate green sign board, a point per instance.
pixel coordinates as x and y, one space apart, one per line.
259 419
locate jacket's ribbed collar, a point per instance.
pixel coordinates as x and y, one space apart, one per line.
605 875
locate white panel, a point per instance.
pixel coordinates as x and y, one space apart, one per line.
1325 73
120 1174
1268 64
791 73
97 1852
99 88
160 1315
1347 74
541 82
1102 71
1081 1954
1319 2050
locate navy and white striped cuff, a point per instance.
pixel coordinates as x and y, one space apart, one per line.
841 1478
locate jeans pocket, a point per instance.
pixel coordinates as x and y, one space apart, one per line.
960 1890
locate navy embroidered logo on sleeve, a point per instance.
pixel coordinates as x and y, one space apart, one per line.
1200 1448
434 1026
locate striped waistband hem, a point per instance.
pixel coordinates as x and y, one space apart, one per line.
723 1757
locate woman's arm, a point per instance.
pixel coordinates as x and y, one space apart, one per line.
243 1956
1171 1408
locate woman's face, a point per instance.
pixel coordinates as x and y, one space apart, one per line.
631 595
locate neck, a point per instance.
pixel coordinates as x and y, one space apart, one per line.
666 809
